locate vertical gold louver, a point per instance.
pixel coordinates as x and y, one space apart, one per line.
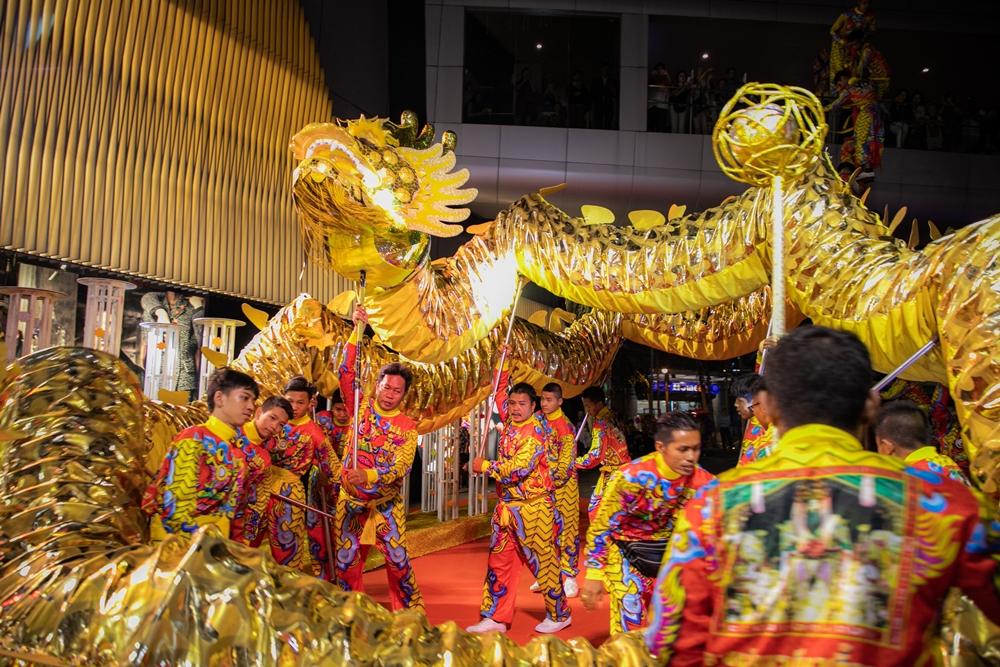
150 137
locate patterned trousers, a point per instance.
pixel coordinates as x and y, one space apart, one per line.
629 592
282 523
319 546
595 500
568 526
390 538
522 531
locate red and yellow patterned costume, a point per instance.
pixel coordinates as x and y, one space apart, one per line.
936 401
607 450
323 490
758 441
199 481
292 456
822 553
522 522
247 523
375 513
863 146
639 505
929 460
562 465
336 432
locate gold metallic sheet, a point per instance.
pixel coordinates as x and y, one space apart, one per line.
305 337
77 585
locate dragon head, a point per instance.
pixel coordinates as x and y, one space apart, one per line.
369 193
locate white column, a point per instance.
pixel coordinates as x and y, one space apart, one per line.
29 320
162 362
218 334
102 322
479 484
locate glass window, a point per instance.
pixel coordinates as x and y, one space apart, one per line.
533 68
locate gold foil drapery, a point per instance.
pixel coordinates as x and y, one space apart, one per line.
307 338
79 587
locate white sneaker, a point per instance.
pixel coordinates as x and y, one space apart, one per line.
570 588
548 626
535 587
486 625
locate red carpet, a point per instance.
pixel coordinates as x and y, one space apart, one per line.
452 584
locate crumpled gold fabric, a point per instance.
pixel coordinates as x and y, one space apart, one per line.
161 422
79 587
306 338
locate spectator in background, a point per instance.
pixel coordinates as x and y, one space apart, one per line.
934 129
659 99
701 102
918 129
680 104
579 101
821 73
524 99
900 117
605 92
732 83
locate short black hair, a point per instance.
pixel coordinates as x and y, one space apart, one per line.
842 74
904 423
299 383
226 380
523 388
553 388
277 402
336 397
756 386
595 394
742 385
818 375
396 368
667 424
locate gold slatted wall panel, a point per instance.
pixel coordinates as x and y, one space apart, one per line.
151 137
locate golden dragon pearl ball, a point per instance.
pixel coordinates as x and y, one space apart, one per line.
763 132
768 130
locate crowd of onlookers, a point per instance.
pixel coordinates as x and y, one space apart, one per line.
688 102
587 100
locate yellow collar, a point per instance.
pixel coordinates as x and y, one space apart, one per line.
384 413
220 429
808 435
554 415
341 423
304 419
520 424
251 432
921 454
665 471
605 413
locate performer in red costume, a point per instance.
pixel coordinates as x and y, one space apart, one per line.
371 509
522 522
202 473
901 430
626 539
822 553
608 448
562 465
255 441
759 437
336 423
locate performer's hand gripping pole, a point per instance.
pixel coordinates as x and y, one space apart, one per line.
359 331
496 380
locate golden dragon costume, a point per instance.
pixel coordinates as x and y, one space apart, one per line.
78 584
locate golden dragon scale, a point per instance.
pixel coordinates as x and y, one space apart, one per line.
78 586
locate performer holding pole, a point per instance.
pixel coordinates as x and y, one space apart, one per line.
371 509
504 353
523 520
359 331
